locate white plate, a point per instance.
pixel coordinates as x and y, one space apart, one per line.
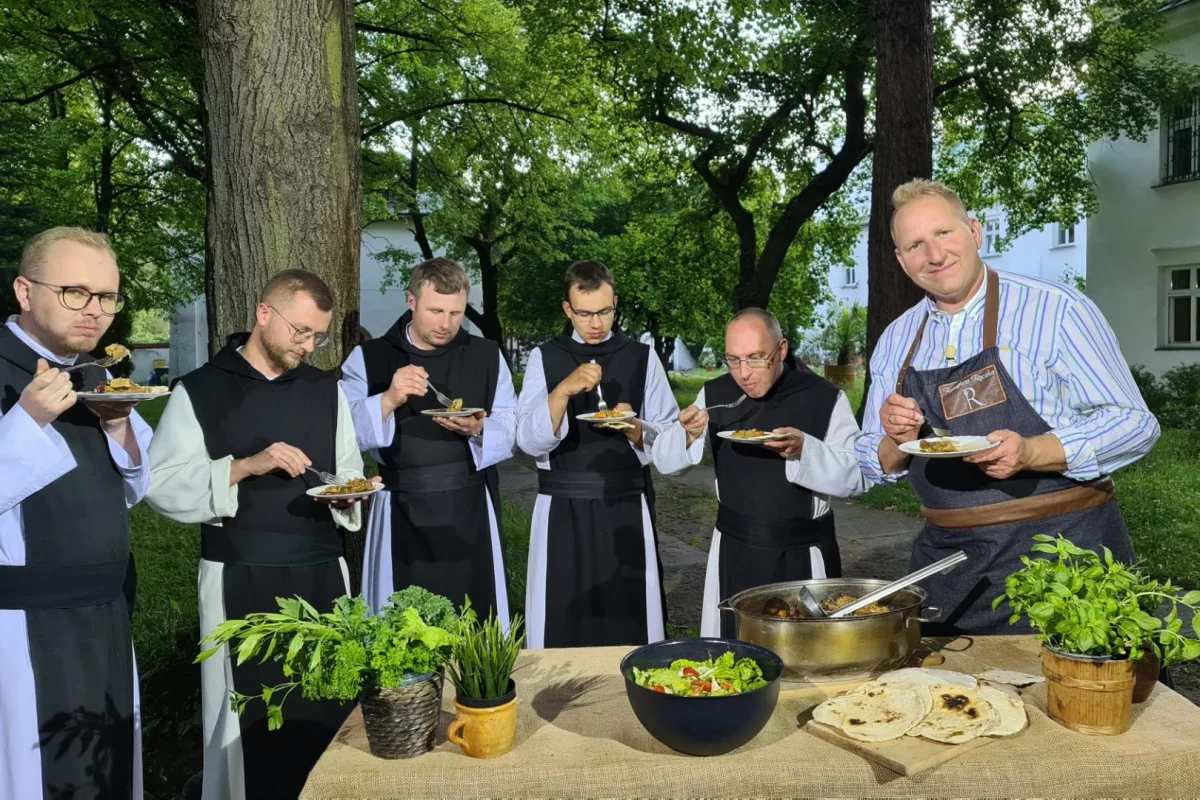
319 491
770 437
466 412
122 397
964 446
591 416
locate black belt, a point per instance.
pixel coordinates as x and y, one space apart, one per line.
256 548
434 478
46 587
780 534
592 485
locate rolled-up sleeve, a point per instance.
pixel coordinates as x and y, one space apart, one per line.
1110 425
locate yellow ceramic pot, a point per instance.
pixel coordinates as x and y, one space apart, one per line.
485 728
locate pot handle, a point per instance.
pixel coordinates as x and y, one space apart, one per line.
454 732
725 605
934 613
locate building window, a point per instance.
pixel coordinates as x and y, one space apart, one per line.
993 229
1064 236
1183 297
851 276
1181 141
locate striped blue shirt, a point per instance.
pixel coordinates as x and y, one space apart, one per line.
1059 350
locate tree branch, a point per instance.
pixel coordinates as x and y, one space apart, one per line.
367 27
469 101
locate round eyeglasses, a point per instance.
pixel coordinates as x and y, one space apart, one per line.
303 335
77 298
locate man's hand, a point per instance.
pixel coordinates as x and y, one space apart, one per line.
345 502
1016 453
48 395
110 414
634 434
695 421
789 448
901 419
583 379
406 382
279 457
466 426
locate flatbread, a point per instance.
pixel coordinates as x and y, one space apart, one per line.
1010 710
881 713
959 715
1010 677
926 677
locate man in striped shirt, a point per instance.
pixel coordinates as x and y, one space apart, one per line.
1029 364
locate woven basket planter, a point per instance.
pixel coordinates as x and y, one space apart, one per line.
402 722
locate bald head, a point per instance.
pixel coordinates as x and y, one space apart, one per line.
760 318
754 350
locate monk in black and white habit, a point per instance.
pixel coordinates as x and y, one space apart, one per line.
231 452
774 522
594 577
69 472
438 523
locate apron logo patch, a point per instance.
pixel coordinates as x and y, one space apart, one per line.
979 390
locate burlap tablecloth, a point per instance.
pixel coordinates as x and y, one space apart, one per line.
578 737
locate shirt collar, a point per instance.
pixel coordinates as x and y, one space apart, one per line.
973 307
36 347
575 335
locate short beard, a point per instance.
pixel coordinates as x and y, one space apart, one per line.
280 357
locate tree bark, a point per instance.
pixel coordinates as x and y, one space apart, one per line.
282 127
281 124
488 319
903 150
664 347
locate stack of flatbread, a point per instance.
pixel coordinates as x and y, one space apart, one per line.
935 704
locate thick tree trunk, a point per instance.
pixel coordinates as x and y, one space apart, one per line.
284 191
488 319
282 125
903 149
664 346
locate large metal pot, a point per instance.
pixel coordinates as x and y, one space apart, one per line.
832 650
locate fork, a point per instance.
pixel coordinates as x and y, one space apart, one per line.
332 480
103 363
603 406
445 401
734 404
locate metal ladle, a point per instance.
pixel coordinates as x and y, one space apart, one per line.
945 565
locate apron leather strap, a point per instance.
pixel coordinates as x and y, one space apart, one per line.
912 351
1077 498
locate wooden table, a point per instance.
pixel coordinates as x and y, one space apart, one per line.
577 737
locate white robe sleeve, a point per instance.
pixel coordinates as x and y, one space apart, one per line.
535 434
136 476
659 409
349 463
373 430
830 467
671 453
500 425
185 484
31 458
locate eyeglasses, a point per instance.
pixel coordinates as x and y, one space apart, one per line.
303 335
77 298
585 315
754 362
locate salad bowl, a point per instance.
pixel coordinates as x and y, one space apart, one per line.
711 722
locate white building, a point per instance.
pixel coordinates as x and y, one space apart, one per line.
380 305
1144 243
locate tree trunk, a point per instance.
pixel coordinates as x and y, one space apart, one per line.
664 346
903 150
282 129
104 181
488 320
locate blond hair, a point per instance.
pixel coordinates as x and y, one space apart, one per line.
37 249
444 275
917 188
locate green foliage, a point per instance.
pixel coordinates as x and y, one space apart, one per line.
1174 398
332 656
845 333
1087 605
484 655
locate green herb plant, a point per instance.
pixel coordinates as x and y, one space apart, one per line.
335 655
1081 603
484 656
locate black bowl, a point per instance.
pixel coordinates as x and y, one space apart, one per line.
702 726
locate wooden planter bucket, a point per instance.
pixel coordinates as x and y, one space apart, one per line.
1088 694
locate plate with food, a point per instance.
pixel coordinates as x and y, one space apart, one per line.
606 416
455 409
947 446
753 436
123 390
355 487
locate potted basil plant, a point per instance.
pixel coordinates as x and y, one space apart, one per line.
1095 618
485 693
391 662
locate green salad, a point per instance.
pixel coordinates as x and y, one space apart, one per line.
711 678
